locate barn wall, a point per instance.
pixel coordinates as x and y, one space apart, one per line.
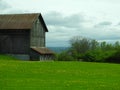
37 35
24 57
14 41
46 57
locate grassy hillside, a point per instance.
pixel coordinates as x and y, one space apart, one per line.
21 75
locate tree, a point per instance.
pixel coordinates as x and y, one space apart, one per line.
94 44
86 49
117 45
82 44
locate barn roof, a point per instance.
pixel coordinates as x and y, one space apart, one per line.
42 50
20 21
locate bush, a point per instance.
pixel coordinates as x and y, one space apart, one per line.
97 55
64 56
114 58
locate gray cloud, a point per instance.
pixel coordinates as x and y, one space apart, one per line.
103 24
14 11
118 24
5 8
4 5
104 34
61 30
57 19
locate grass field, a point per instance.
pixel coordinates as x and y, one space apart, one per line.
25 75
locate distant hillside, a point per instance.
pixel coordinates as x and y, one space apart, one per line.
58 49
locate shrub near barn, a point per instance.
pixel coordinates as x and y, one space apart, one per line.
65 56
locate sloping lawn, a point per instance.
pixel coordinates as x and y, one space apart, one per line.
21 75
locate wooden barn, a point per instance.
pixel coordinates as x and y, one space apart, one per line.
23 36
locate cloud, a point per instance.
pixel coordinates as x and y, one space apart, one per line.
103 24
57 19
14 11
4 5
108 34
6 8
118 24
62 28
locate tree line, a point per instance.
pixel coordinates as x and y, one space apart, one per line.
85 49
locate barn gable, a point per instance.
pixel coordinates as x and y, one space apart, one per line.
20 32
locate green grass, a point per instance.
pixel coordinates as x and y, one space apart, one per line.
7 57
25 75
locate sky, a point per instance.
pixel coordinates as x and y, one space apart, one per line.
95 19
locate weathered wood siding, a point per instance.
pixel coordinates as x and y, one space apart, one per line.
14 41
46 57
35 56
37 35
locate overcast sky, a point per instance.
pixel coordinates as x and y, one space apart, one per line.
96 19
